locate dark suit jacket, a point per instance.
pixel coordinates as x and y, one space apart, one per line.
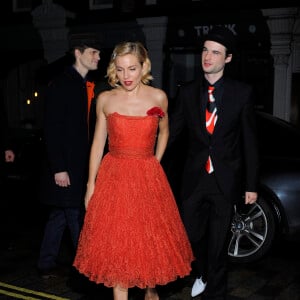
233 146
4 136
66 139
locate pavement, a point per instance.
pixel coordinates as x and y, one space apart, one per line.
277 276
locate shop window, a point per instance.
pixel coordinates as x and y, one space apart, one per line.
22 5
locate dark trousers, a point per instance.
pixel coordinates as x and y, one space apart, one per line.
58 220
207 217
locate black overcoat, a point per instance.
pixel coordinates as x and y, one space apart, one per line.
66 139
4 137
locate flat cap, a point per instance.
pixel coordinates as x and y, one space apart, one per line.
222 35
86 40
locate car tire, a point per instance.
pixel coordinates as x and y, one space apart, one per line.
252 233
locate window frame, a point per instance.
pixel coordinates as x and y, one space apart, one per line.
96 4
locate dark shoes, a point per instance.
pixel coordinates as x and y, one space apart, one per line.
53 273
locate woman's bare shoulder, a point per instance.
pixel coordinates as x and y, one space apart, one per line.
106 95
157 92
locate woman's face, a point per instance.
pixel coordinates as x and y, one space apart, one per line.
129 71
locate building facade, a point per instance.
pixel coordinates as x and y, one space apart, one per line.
268 44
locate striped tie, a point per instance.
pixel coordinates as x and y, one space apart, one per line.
211 119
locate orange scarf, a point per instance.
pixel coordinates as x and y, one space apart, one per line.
90 94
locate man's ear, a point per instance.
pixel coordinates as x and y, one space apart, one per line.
228 58
77 52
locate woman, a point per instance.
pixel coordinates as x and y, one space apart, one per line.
132 235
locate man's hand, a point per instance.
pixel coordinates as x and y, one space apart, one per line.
250 197
9 156
62 179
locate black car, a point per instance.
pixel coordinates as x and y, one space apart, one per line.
255 228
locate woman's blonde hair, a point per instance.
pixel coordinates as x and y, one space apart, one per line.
135 48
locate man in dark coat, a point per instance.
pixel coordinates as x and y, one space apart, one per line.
222 159
67 148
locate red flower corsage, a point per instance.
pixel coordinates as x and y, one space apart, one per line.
156 111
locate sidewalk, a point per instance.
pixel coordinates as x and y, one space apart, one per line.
277 276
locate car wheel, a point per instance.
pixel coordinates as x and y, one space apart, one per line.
253 230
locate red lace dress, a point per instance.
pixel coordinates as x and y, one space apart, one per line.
132 234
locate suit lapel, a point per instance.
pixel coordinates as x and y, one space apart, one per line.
200 108
220 101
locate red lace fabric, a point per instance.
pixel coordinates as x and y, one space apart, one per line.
133 234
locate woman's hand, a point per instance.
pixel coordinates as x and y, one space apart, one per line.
88 194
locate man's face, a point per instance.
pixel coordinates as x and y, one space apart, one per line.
214 57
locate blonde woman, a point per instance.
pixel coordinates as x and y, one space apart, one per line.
132 235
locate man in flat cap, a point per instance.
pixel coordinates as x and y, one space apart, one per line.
67 146
221 166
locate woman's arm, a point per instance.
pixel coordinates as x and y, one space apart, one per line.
97 148
163 132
